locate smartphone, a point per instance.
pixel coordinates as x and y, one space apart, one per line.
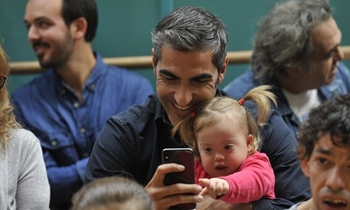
185 157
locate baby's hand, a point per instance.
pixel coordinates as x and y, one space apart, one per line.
214 187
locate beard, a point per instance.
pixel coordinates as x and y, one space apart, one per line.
59 55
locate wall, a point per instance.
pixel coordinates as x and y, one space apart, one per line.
125 28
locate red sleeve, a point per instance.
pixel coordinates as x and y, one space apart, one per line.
254 180
199 170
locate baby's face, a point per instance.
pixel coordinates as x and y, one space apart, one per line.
223 147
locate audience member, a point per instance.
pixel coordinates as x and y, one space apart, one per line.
112 193
190 59
225 139
67 106
296 49
324 153
23 178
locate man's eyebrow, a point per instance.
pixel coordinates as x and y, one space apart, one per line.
198 77
324 151
202 76
167 73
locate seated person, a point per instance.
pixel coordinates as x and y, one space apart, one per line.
324 153
226 138
67 106
112 193
296 49
23 178
189 57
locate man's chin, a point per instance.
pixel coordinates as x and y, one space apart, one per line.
45 65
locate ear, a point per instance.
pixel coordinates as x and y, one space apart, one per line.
304 163
250 143
78 28
223 71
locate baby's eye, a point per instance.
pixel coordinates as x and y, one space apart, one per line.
207 149
229 146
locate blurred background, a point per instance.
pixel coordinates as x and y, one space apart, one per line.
125 28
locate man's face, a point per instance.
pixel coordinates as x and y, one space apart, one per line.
184 80
326 39
328 169
47 32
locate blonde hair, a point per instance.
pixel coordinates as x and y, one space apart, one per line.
211 111
7 117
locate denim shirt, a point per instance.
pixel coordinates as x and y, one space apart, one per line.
131 144
67 127
245 82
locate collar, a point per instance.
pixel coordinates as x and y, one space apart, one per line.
98 71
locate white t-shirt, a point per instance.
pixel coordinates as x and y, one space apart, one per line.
302 103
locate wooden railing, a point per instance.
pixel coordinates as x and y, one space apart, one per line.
142 62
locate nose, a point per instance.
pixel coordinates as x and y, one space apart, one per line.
335 180
219 156
339 54
183 96
33 34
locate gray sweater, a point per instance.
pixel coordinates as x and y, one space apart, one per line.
23 179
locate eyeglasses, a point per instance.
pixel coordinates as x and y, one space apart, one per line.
2 81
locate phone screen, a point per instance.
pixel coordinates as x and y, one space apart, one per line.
185 157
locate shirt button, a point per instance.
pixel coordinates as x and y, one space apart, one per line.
86 154
76 105
92 87
53 143
82 130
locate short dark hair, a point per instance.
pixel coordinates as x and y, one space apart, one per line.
333 118
191 29
73 9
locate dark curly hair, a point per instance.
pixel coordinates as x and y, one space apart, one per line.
333 118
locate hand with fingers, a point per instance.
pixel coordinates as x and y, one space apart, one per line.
166 196
214 187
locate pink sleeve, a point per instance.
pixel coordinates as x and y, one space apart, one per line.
254 179
199 170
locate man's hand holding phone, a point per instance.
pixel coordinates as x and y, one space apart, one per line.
166 196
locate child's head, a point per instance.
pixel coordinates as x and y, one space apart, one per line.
225 136
222 131
112 193
324 153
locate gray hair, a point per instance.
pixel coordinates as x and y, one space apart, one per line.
284 38
191 29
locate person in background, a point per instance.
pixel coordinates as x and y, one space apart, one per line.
296 49
112 193
67 106
189 58
226 139
23 178
324 154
